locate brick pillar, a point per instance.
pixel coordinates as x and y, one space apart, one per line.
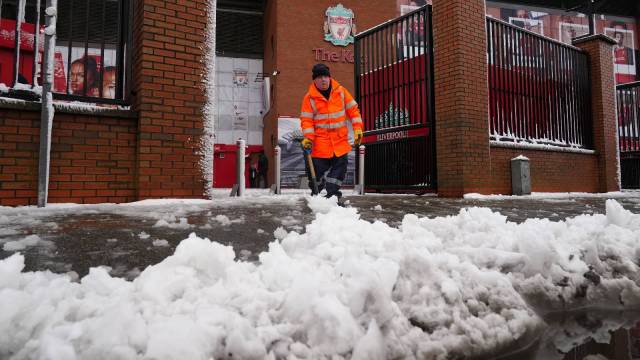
461 97
167 68
603 108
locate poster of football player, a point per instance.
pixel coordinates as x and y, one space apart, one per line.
623 52
569 31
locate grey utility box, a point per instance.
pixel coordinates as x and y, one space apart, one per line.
520 176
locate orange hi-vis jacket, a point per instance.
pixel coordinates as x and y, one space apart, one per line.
325 121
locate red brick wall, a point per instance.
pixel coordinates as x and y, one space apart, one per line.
92 158
168 71
111 159
550 171
603 106
460 86
270 63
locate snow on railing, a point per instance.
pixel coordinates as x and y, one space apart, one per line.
539 90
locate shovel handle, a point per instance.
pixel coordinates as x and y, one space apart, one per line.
312 170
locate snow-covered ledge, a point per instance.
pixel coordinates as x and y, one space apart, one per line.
540 147
76 108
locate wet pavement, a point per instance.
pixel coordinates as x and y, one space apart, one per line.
129 241
613 335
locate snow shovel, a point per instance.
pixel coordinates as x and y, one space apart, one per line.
297 135
312 170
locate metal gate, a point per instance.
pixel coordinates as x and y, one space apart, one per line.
394 87
629 133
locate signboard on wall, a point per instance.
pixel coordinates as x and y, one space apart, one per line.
292 158
340 30
407 6
240 100
339 26
27 43
569 30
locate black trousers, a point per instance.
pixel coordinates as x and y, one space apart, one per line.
335 169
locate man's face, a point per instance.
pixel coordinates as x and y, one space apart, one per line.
618 35
521 14
77 78
322 82
109 85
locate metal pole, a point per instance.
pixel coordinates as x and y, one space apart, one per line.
16 55
36 47
361 169
46 115
277 169
240 181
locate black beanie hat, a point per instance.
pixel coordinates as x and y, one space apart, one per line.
320 70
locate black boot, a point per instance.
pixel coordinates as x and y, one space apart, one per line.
337 194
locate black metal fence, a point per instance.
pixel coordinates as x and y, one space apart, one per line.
403 164
629 133
394 88
538 89
91 50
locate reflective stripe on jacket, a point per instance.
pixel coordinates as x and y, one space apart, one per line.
325 121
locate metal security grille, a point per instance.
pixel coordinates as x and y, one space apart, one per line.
629 133
538 89
90 56
394 88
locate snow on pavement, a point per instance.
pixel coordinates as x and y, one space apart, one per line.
432 288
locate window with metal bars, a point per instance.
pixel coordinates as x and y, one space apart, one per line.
90 62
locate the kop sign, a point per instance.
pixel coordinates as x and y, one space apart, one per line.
339 29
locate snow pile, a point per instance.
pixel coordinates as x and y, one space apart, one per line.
520 157
446 287
172 222
160 242
225 221
31 240
547 196
26 87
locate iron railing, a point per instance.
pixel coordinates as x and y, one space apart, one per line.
90 57
629 116
393 72
394 88
628 96
538 89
